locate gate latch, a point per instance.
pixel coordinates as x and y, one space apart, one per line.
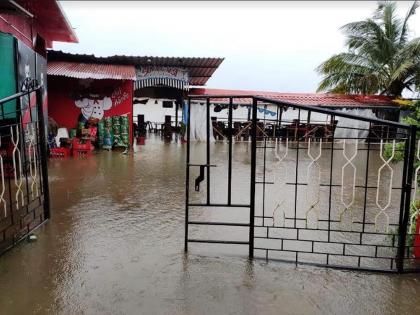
200 177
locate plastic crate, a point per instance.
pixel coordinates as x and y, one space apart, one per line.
81 147
59 153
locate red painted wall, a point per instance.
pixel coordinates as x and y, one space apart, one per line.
63 91
48 22
19 26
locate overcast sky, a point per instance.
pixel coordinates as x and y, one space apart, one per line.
272 46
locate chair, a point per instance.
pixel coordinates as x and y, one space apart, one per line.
61 133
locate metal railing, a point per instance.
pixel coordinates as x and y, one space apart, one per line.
337 199
24 193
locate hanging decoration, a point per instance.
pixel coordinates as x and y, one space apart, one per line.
266 111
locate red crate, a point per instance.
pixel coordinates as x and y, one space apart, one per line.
141 140
59 153
78 144
81 148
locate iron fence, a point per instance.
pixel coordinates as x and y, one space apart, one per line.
24 195
322 187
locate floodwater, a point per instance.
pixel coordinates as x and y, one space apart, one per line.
114 245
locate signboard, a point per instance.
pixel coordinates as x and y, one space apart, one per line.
162 76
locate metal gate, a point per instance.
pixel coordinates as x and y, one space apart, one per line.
24 195
199 173
319 186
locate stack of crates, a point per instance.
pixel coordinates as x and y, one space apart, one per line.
81 148
124 130
116 126
59 153
108 138
101 132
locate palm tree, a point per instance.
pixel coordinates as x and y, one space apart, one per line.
380 58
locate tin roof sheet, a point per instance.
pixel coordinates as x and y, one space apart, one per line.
99 71
199 69
309 99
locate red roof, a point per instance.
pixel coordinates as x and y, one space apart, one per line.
199 69
26 19
309 99
53 20
91 70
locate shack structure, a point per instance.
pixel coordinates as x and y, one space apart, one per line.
86 86
295 124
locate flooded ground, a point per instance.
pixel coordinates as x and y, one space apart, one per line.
114 245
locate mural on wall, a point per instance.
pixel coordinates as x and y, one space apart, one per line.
26 73
93 108
73 102
94 101
119 96
26 69
41 77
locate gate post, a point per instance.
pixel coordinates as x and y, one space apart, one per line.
253 170
187 173
408 170
43 152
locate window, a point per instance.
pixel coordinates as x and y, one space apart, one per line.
167 104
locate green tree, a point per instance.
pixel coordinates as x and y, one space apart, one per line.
381 59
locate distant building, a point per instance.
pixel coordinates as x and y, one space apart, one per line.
156 87
133 85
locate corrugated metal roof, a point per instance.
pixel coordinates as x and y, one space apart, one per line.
91 70
309 99
199 69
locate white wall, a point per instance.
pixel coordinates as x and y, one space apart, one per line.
155 112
